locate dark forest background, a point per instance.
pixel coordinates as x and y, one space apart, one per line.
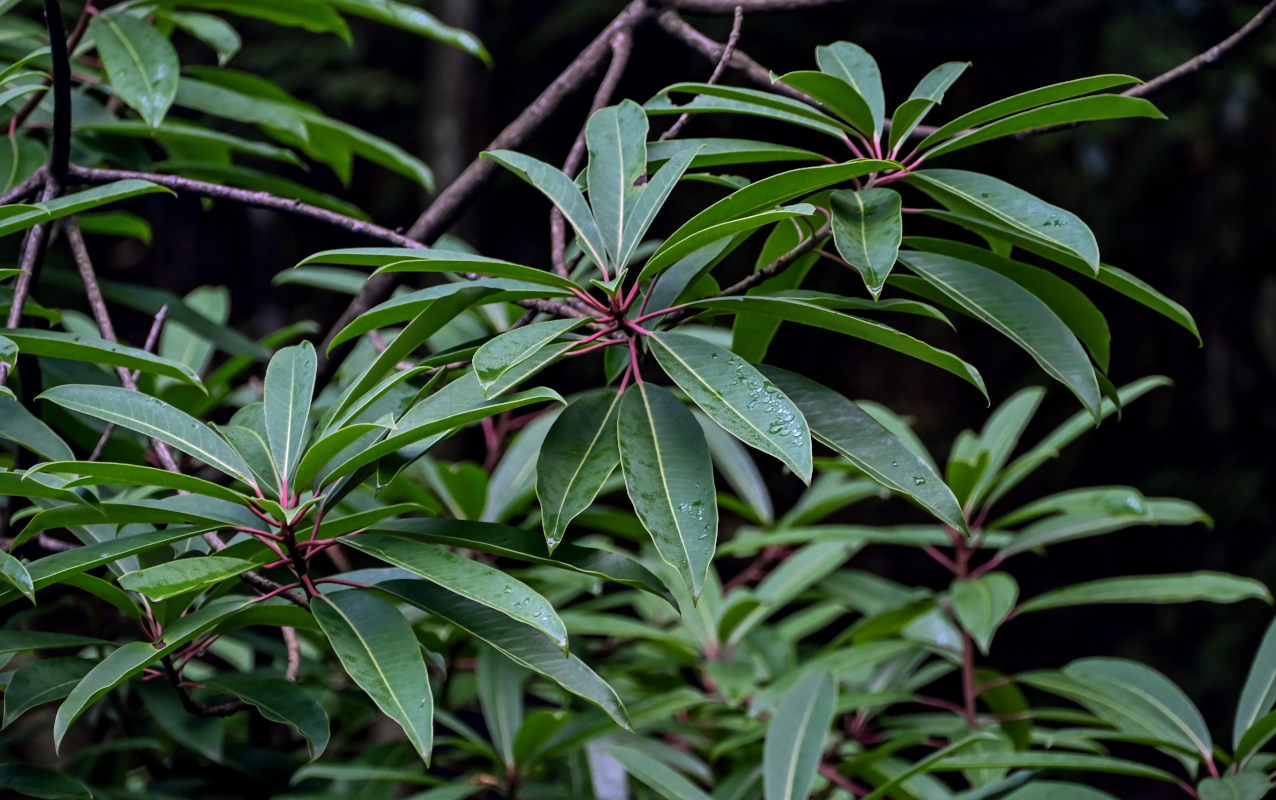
1187 204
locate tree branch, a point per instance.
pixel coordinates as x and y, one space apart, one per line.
33 182
732 40
248 198
747 6
674 25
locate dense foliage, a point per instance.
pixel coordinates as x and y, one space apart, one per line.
228 554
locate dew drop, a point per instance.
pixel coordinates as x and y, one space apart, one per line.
918 480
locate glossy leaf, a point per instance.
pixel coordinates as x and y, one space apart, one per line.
56 344
183 575
710 98
28 780
1213 587
42 681
738 397
734 463
669 478
380 653
1241 786
152 417
290 381
1002 204
468 578
502 353
721 152
837 95
982 604
402 259
867 229
616 137
1016 313
107 473
855 66
578 455
1258 696
19 425
140 63
1036 759
671 252
14 573
795 737
279 700
843 426
808 313
1141 292
414 20
928 93
500 690
661 778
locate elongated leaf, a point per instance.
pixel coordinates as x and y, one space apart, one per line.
520 642
795 737
468 578
525 545
17 424
853 64
12 641
673 251
95 350
1081 109
290 381
316 16
107 473
1025 100
563 193
127 661
183 575
1034 759
928 93
650 200
1213 587
734 463
40 682
212 31
1259 693
669 477
279 700
1005 205
738 397
1241 786
380 653
983 603
500 690
867 229
578 455
33 484
808 313
27 780
722 152
710 98
229 104
843 426
14 572
657 775
1141 292
1016 313
152 417
414 20
502 353
140 63
1255 738
1053 790
1069 527
836 95
616 137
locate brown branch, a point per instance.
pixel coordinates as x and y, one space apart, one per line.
1208 57
192 705
727 50
621 47
34 181
748 6
247 197
293 669
674 25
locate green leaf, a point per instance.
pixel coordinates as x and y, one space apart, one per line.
578 455
279 700
12 641
660 777
108 473
1062 233
1025 100
808 313
152 417
928 94
380 653
163 581
140 63
500 691
414 20
1213 587
26 780
563 193
14 573
710 98
391 259
290 381
469 578
127 661
520 642
884 457
1034 759
40 682
1141 292
1255 738
212 31
1081 109
734 463
95 350
1016 313
673 251
867 229
836 95
738 397
116 223
316 16
17 424
1259 693
669 477
525 545
795 737
853 64
724 152
502 353
1241 786
239 107
1053 790
75 203
981 605
616 137
1069 527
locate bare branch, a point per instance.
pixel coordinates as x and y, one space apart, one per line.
294 653
621 47
727 50
1208 57
249 198
748 6
679 28
33 182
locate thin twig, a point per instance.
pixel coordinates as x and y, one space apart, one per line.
152 337
621 47
727 50
749 6
673 24
34 181
1208 57
31 105
293 646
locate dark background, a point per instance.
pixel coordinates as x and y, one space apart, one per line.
1185 204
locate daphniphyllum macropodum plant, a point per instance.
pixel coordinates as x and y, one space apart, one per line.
205 568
